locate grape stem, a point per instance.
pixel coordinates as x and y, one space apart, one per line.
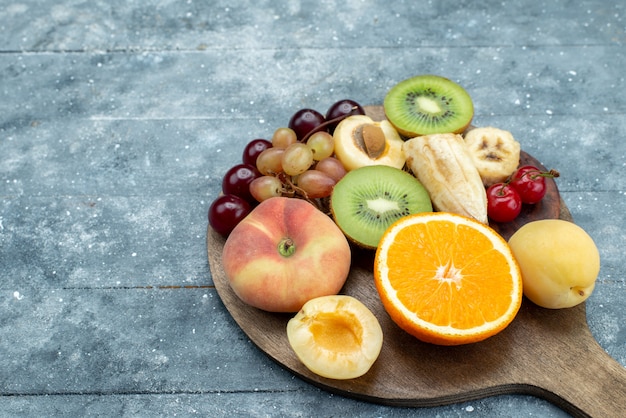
329 122
290 189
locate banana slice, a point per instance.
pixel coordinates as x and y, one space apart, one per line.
495 153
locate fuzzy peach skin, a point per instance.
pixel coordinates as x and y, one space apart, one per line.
262 277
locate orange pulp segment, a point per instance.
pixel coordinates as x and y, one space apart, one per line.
447 279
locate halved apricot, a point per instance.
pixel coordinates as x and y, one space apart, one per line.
336 336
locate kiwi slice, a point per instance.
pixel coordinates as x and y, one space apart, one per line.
367 200
428 104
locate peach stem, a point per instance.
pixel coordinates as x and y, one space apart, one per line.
286 247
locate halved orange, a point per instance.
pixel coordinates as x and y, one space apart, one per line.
447 279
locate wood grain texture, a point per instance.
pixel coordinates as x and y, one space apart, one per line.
546 353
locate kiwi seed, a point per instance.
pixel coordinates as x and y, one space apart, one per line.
367 200
428 104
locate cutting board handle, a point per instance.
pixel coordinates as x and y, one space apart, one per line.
602 393
582 378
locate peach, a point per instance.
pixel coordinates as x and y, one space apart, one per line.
284 253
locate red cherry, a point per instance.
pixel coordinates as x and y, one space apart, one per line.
529 184
503 202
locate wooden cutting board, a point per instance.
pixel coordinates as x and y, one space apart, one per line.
546 353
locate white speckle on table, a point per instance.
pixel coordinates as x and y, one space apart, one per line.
16 9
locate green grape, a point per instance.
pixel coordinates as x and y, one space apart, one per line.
322 144
296 159
270 161
264 187
283 137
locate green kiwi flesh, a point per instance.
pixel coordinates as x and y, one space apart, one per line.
367 200
428 104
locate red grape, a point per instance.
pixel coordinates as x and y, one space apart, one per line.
342 108
333 167
503 202
316 183
305 121
226 212
237 181
253 149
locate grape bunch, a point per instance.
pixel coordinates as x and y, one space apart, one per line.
297 161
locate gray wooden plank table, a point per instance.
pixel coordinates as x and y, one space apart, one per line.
118 120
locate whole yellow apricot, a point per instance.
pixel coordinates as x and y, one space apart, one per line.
559 262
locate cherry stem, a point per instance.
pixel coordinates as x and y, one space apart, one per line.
324 125
500 192
533 174
550 174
